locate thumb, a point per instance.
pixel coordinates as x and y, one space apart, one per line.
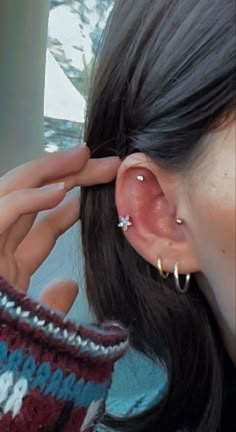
60 295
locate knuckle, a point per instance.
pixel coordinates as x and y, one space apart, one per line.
53 226
14 200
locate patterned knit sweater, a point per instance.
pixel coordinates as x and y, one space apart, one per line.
54 375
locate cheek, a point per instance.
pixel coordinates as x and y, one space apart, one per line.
211 209
220 230
214 243
214 236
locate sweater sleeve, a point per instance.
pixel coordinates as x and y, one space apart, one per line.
54 374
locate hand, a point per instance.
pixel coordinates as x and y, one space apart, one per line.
36 186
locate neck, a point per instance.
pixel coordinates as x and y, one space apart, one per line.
228 337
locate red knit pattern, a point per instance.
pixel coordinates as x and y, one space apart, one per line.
42 349
34 411
99 373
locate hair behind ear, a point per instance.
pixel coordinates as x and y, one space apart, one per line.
165 78
177 329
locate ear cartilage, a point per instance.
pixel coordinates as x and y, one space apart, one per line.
124 222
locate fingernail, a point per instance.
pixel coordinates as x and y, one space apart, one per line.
78 146
114 159
111 158
54 187
76 149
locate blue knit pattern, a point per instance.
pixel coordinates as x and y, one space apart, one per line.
82 393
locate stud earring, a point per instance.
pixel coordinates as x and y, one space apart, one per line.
124 222
140 178
179 221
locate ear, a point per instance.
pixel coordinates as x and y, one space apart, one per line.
153 206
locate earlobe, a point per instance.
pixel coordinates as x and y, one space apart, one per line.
146 206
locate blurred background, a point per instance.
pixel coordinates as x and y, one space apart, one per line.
47 50
74 33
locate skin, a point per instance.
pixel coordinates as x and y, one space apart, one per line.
204 198
211 211
31 188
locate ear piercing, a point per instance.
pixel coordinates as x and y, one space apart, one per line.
163 274
124 222
178 286
141 179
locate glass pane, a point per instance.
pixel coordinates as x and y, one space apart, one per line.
74 31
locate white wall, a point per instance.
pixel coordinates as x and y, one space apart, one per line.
23 35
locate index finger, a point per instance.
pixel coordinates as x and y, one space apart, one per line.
44 170
96 171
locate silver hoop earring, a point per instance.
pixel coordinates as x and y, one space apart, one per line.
177 282
164 275
124 222
179 221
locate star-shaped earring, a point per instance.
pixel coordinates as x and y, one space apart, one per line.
124 222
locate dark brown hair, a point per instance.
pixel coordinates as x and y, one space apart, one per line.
165 77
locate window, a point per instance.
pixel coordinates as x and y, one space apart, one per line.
74 31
